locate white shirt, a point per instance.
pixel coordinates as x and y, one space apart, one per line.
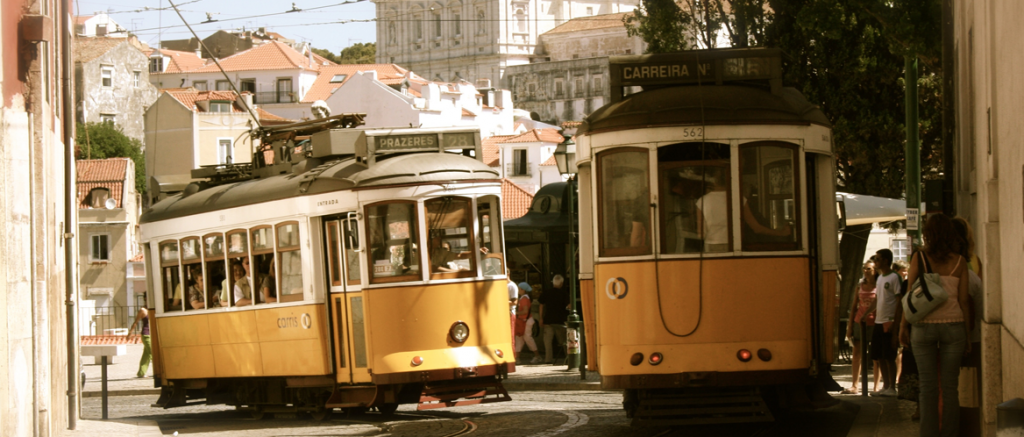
715 207
888 287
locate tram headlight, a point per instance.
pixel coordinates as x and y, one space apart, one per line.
459 332
764 354
636 359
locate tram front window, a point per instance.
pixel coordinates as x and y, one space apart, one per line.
391 231
449 223
695 194
624 202
770 204
488 215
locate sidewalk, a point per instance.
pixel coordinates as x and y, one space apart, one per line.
121 380
878 416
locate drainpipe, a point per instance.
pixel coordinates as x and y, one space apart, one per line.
70 212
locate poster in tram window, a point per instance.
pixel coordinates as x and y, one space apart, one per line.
398 230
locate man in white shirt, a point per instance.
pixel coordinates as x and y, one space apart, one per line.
883 341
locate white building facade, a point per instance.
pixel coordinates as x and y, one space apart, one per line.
471 40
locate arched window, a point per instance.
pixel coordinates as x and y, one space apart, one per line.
98 197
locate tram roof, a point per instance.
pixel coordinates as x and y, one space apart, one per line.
709 105
337 175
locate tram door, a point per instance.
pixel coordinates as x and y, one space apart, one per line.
346 299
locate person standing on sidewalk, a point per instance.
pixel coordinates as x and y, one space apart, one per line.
554 309
862 310
884 340
147 345
524 323
940 339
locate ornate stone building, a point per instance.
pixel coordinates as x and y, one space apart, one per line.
448 40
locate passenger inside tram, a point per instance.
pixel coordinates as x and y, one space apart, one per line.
195 291
444 260
268 284
713 212
241 291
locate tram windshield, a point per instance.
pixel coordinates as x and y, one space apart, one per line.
450 235
770 204
695 192
391 230
624 196
488 215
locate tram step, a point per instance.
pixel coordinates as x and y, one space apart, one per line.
454 394
704 407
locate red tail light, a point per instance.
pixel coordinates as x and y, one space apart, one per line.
655 359
743 355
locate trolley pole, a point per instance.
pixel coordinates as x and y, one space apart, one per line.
913 155
572 324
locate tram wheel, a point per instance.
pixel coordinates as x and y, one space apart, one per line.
320 415
387 409
257 413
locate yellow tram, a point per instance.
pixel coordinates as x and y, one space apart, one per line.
708 237
346 268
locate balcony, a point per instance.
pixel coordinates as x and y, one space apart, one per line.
520 170
268 97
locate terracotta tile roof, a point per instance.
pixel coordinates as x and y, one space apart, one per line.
180 62
264 116
515 201
273 55
87 49
100 173
322 60
492 149
589 23
189 97
137 258
322 88
537 135
550 161
466 113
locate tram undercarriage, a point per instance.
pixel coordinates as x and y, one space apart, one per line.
261 396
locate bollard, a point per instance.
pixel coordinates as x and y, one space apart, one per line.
1010 418
103 375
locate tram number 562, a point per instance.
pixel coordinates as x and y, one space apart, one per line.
693 132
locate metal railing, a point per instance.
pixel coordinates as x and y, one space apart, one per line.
106 320
266 97
511 169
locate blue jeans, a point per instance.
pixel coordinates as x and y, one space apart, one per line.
939 348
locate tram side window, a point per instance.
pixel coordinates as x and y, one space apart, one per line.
242 283
450 225
350 234
488 215
170 274
290 258
695 195
215 274
624 202
265 273
391 231
770 206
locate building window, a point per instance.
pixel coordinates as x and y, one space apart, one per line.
579 87
101 29
900 249
598 86
418 27
558 87
437 24
156 64
284 90
106 118
590 10
248 85
521 25
199 85
457 18
224 151
223 85
100 248
98 197
338 78
520 163
136 76
220 106
107 75
481 27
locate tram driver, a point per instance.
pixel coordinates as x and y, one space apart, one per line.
445 261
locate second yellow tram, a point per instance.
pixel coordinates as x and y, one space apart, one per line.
708 237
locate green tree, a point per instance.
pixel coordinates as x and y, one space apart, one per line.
359 53
327 55
106 140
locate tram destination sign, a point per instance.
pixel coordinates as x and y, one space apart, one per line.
453 140
698 67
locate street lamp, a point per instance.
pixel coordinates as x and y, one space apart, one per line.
565 159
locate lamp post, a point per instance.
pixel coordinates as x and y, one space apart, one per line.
565 158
